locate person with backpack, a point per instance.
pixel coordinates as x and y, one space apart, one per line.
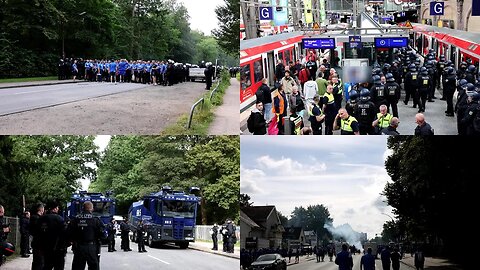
264 95
256 123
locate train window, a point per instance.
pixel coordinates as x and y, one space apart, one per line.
287 56
280 56
258 71
245 77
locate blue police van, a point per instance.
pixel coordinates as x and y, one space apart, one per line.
168 217
103 205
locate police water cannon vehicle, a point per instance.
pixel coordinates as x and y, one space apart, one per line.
168 217
103 205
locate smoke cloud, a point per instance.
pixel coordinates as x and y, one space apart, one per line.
346 233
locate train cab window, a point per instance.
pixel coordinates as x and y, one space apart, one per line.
245 77
257 71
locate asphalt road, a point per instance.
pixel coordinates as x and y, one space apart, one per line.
311 264
167 258
95 108
14 100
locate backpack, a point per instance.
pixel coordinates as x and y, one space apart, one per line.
250 124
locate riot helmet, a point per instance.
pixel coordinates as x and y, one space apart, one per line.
389 77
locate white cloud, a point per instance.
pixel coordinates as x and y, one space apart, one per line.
289 167
202 14
250 177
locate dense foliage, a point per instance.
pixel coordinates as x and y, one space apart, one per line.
432 191
136 166
35 33
228 33
43 168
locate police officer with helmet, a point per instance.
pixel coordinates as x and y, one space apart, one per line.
449 83
424 86
86 233
365 113
461 105
393 93
378 92
411 84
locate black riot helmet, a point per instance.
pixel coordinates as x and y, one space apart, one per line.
353 94
386 66
429 64
463 65
462 82
475 96
442 58
423 71
376 79
449 63
470 89
471 69
376 71
450 70
412 67
389 77
364 94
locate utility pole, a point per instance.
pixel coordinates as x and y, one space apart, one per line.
249 19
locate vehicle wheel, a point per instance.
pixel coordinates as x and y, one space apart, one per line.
183 245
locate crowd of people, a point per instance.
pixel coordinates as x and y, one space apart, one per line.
122 70
229 237
306 100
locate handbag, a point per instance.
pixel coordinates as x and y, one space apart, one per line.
273 126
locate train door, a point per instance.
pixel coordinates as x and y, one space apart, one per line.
453 56
269 64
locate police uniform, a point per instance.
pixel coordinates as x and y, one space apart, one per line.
383 121
214 233
424 89
348 126
51 239
111 230
86 232
140 238
330 111
125 231
411 86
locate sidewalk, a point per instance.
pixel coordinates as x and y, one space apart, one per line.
207 247
225 122
432 263
302 259
35 83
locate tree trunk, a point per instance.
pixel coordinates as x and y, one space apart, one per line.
460 25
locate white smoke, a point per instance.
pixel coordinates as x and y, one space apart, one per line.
345 232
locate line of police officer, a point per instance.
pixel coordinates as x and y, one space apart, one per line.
420 83
52 235
227 230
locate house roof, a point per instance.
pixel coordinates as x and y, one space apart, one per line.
258 214
247 220
292 233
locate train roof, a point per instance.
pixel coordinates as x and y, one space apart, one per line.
468 41
249 43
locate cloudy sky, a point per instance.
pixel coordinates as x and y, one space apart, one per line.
102 142
344 173
202 14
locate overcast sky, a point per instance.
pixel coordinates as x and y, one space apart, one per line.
344 173
202 14
101 141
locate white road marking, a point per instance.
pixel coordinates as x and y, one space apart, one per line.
158 259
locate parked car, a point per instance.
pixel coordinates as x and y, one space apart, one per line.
269 262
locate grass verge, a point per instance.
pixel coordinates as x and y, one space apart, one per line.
34 79
203 115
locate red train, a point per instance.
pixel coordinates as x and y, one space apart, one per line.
456 45
257 60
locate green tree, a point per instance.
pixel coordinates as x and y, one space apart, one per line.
228 33
312 218
244 200
431 184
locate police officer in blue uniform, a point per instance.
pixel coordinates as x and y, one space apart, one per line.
86 233
111 230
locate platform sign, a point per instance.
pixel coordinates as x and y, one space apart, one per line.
391 42
318 43
475 8
355 41
437 8
266 13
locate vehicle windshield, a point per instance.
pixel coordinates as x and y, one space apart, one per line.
267 257
177 209
102 209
